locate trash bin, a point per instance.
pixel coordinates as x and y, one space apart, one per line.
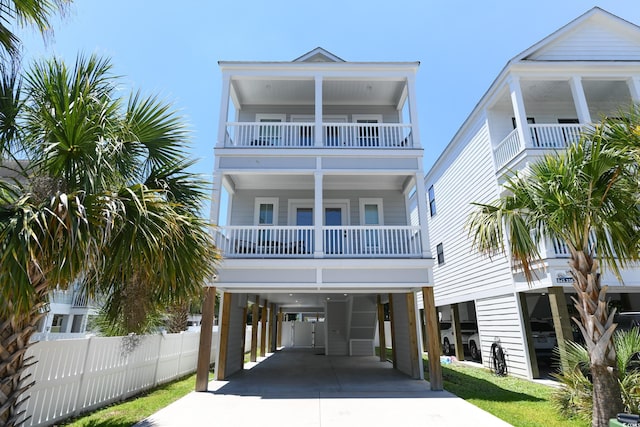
625 420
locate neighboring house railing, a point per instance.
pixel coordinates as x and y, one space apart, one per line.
302 135
507 149
338 241
542 136
60 296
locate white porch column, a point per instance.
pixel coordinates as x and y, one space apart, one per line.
519 112
413 110
317 216
580 101
318 111
422 214
224 110
634 89
216 194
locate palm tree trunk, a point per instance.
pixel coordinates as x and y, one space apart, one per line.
14 343
597 331
15 333
178 317
606 390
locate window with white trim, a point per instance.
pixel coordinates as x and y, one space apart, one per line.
440 252
432 201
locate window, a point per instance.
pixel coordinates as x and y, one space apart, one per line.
440 252
266 214
432 201
371 214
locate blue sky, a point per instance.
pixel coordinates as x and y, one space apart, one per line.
172 48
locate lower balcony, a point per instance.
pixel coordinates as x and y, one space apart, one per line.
337 242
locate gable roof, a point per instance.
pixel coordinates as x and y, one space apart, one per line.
594 20
318 55
596 35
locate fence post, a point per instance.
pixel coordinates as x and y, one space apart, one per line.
155 375
180 355
81 382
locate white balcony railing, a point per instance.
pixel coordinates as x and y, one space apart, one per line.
367 135
542 136
507 149
554 136
338 241
372 241
60 296
265 241
302 135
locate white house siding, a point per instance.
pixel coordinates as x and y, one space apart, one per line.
594 42
469 177
499 319
243 206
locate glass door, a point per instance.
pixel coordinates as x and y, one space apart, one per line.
371 217
304 216
333 239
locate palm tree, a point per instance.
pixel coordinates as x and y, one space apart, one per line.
21 13
106 199
586 197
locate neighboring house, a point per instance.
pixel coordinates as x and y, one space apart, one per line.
538 104
67 310
67 316
318 157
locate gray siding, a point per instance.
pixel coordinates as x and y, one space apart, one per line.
242 210
499 318
468 178
336 321
401 332
248 112
236 325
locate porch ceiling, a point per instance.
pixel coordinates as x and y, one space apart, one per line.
302 92
557 91
306 182
304 302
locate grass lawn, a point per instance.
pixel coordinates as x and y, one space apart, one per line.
520 402
138 408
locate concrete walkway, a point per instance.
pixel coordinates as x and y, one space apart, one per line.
303 388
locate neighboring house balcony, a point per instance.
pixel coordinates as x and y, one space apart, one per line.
532 117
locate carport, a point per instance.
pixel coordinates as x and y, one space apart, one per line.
351 317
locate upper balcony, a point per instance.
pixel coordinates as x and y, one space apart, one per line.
332 135
531 117
546 136
318 101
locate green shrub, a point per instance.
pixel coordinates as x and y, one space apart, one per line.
574 399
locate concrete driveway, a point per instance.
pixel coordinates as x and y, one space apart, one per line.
301 387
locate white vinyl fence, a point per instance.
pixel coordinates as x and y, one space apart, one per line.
79 375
